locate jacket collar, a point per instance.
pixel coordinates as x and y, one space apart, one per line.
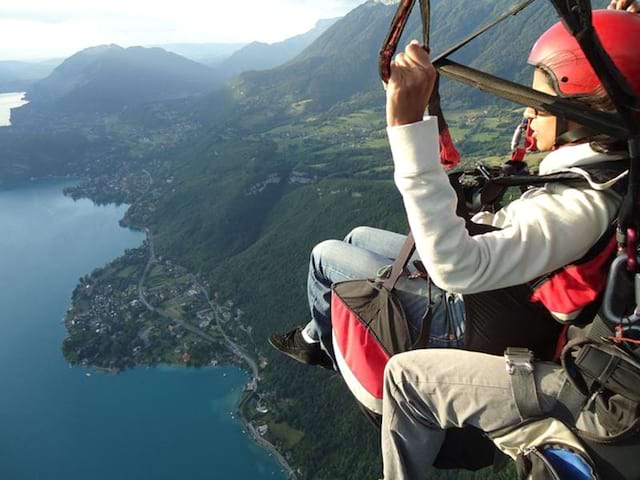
570 156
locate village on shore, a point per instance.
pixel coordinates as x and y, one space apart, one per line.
142 310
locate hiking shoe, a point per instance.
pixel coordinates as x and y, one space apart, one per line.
293 344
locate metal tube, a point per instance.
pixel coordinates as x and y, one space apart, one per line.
607 123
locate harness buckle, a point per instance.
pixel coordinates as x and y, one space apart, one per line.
518 360
523 383
619 275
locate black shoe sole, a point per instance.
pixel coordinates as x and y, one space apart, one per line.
328 364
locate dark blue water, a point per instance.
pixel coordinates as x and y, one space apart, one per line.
58 423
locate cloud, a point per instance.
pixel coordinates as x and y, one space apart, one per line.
63 26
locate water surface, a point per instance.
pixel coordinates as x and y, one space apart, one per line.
57 423
7 102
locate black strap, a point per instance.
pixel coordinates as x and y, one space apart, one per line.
629 215
425 330
399 267
611 368
575 135
520 367
607 123
495 188
570 403
401 262
425 15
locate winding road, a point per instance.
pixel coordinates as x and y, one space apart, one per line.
162 313
233 347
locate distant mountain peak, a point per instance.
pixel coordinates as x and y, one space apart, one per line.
100 49
326 22
264 56
109 78
385 2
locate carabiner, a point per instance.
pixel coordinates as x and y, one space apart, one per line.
617 276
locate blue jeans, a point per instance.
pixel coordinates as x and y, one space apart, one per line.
362 254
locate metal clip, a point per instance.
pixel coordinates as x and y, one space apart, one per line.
518 359
618 274
484 171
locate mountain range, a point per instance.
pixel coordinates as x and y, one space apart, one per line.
264 56
108 78
333 62
206 53
342 62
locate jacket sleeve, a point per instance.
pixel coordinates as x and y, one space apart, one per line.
546 229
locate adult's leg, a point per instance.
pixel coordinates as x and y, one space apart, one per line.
336 261
447 326
361 255
382 242
428 391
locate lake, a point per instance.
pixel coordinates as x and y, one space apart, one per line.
58 423
7 102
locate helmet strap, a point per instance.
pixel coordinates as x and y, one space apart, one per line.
564 136
562 127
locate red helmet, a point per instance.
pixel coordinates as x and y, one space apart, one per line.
557 52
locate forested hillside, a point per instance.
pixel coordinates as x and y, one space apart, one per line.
109 78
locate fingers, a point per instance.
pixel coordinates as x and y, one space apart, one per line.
406 71
418 55
628 5
410 86
414 58
401 60
398 72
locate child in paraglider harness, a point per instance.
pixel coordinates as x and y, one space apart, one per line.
538 237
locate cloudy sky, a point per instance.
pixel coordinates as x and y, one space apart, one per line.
49 28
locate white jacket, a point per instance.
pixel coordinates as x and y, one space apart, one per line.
542 231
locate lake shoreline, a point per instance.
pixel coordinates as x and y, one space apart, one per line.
98 425
18 183
8 102
239 359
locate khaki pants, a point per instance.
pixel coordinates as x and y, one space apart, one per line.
428 391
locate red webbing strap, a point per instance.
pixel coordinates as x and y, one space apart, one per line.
392 40
449 155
